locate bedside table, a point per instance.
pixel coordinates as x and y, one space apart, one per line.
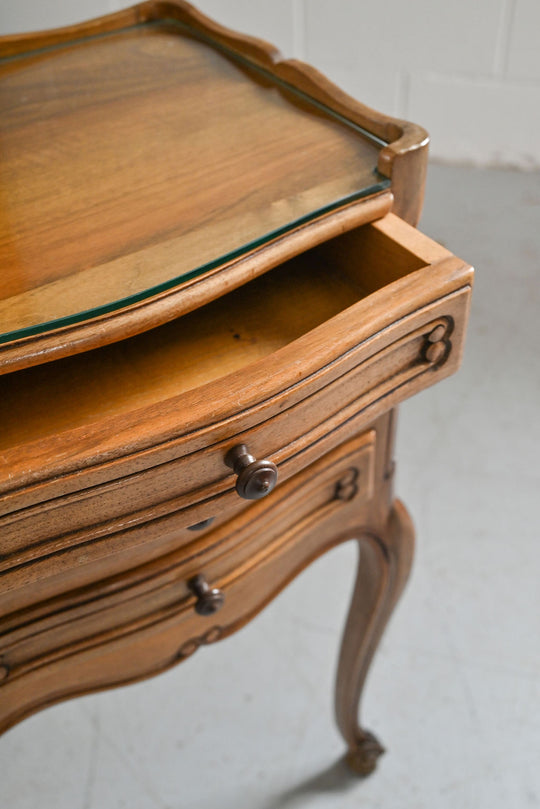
213 299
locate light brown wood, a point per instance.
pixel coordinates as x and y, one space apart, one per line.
384 562
86 254
107 418
144 621
221 338
166 191
31 350
115 491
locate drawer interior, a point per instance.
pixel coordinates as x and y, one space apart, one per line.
227 334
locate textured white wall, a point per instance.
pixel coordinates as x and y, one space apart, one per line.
467 71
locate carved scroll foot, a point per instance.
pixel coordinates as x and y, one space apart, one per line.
383 568
362 759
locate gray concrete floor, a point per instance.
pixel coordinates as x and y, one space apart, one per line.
454 691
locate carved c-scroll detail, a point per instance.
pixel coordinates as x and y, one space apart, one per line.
347 486
190 646
4 669
437 345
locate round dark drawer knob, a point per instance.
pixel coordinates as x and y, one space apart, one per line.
255 479
209 599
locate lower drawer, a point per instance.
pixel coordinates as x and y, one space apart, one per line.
132 625
73 559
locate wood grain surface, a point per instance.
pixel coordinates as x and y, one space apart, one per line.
142 147
122 627
135 152
133 159
139 393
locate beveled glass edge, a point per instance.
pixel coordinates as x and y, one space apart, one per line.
150 292
380 184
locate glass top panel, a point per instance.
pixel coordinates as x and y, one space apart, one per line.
134 160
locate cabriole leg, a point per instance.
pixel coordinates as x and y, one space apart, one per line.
383 567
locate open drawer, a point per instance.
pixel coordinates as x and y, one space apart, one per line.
239 361
324 342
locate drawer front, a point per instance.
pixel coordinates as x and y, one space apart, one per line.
136 495
109 519
73 559
394 322
146 619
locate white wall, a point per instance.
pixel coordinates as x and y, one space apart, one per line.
469 70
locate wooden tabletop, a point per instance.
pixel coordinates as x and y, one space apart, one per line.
147 148
134 158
